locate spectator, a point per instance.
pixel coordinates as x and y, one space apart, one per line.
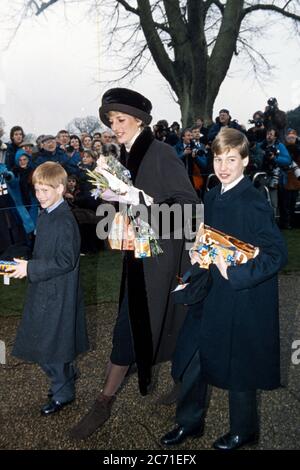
16 137
223 120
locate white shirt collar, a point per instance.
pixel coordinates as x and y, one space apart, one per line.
130 144
231 185
55 205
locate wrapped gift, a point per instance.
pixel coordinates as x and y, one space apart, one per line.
142 248
211 242
4 265
121 235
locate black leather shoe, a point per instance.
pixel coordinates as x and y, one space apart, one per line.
234 441
179 434
53 407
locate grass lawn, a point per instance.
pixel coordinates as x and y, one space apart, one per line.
293 242
101 275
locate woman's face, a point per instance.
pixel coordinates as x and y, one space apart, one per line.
123 126
87 142
75 143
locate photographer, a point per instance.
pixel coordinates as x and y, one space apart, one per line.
223 120
289 192
257 133
274 159
275 118
15 221
203 130
194 156
164 133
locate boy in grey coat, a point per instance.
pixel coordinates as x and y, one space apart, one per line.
52 331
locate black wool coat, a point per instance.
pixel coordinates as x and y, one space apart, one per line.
155 320
53 327
236 328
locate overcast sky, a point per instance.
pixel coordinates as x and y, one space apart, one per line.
49 75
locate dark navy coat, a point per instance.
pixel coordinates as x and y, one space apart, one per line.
154 320
236 329
53 326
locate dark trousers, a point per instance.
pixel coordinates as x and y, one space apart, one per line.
191 404
62 377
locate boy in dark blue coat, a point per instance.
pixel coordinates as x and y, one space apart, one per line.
236 344
52 331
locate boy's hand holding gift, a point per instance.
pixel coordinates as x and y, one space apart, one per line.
222 266
19 270
221 249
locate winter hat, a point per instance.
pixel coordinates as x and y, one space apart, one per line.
20 153
224 111
292 132
47 137
27 143
126 101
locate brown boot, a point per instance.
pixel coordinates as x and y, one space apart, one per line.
94 419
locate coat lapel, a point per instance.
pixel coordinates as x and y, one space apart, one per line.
135 157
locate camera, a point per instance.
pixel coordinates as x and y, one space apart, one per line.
296 170
6 176
161 129
256 122
270 151
272 102
175 127
199 152
271 108
274 178
69 148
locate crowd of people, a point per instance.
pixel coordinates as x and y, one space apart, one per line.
274 166
230 335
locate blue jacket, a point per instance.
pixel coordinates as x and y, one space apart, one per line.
282 159
59 156
215 129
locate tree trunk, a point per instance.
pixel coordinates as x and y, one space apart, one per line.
191 109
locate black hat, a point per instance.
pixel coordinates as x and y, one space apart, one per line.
224 111
126 101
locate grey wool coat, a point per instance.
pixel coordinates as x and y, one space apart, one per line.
155 320
53 327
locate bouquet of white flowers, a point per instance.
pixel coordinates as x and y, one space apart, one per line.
112 182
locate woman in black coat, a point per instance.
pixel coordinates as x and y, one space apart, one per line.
147 325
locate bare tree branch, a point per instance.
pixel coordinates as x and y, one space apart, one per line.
192 42
128 7
273 8
43 6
